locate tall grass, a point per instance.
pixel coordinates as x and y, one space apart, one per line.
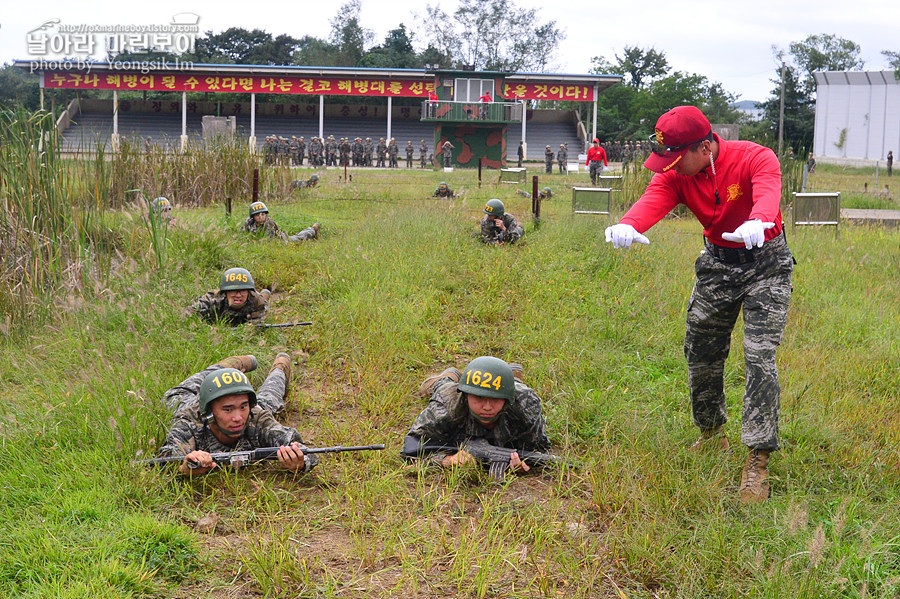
50 236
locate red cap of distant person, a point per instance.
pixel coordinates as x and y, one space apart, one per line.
678 129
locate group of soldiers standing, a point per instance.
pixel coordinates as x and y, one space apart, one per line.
618 151
331 152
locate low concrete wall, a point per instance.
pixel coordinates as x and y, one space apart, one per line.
65 119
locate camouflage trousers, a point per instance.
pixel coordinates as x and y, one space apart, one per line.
548 166
270 395
762 288
595 168
305 234
447 159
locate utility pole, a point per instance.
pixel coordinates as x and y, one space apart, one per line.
781 114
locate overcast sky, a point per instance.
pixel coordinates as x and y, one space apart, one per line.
729 42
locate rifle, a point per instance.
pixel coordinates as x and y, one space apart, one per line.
265 325
495 458
242 458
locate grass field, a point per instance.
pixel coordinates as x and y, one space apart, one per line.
398 286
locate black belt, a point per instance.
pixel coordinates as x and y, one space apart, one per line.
734 255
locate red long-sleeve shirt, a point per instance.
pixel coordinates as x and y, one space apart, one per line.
748 179
598 154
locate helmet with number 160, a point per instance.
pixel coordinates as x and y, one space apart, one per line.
487 376
257 207
494 207
219 383
234 279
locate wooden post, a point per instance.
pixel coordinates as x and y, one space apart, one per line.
535 200
479 171
227 205
255 184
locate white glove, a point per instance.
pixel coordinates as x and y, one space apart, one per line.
752 232
621 236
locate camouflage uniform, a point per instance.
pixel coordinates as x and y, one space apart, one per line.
423 153
562 158
345 151
409 154
548 160
368 148
446 420
269 150
393 152
213 307
330 151
189 431
763 287
295 148
521 153
448 156
490 233
443 193
301 150
381 151
271 229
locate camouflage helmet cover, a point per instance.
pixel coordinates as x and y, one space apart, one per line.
495 208
258 207
487 376
160 204
219 383
314 177
235 279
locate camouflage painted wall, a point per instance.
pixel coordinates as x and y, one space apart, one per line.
471 142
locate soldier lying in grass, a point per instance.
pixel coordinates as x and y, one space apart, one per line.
235 302
259 221
486 402
217 410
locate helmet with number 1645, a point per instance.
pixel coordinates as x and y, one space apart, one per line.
257 207
219 383
494 207
487 376
234 279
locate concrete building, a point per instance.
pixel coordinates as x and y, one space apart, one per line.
857 116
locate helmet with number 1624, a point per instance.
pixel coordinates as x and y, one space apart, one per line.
487 376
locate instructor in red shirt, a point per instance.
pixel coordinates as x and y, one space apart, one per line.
596 160
734 190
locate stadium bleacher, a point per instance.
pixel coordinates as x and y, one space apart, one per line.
164 130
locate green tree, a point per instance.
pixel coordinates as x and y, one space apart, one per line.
823 52
18 88
627 112
315 52
348 35
799 111
396 52
893 59
640 66
240 46
492 35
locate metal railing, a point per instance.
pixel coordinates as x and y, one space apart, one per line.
487 112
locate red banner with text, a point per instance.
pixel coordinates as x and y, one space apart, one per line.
260 84
548 91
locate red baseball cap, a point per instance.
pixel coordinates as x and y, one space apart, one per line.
676 131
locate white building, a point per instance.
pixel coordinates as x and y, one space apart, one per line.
857 116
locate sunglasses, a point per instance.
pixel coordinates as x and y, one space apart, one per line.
664 150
